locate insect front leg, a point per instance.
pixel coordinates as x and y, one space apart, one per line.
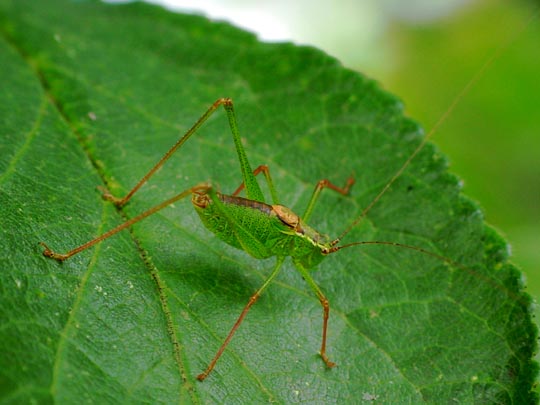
326 311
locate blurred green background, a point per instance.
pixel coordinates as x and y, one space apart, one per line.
425 51
493 135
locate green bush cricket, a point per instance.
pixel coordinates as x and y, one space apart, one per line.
260 229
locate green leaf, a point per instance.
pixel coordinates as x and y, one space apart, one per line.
94 94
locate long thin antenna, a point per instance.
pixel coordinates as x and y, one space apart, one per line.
476 77
437 256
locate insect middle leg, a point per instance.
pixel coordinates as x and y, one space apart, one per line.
266 171
325 183
322 184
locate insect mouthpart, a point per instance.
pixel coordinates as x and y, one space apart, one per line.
200 199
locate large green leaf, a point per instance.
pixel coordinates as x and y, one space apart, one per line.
94 94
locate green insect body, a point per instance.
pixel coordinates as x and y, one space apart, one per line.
261 230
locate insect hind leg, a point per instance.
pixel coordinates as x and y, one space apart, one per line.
253 189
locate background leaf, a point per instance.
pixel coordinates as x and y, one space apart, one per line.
94 94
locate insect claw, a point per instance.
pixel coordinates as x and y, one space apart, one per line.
106 195
202 376
350 182
47 252
327 361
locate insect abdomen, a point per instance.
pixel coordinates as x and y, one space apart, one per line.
245 224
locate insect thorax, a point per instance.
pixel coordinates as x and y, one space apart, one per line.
260 229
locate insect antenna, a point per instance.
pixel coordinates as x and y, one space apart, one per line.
489 280
457 99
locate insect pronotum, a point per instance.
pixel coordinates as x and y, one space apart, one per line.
260 229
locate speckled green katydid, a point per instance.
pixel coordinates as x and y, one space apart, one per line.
260 229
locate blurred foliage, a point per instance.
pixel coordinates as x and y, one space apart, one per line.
492 136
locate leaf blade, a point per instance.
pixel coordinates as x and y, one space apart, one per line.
120 120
